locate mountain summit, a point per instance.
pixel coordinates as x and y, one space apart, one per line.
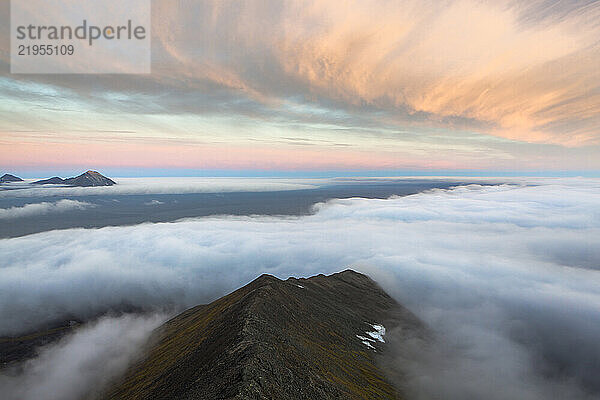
316 338
88 178
10 178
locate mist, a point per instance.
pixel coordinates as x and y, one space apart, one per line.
506 277
171 185
33 209
82 364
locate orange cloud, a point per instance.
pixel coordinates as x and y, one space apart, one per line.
379 77
460 59
525 78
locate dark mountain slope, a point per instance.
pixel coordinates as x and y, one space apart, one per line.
9 178
88 178
55 180
274 339
16 349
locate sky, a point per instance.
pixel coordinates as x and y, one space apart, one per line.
287 86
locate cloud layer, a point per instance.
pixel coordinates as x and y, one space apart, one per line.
33 209
492 66
506 276
126 186
82 364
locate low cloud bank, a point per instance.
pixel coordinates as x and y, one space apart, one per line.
83 363
469 362
506 276
128 186
33 209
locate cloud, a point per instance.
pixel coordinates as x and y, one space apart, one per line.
473 363
507 276
523 72
33 209
154 203
128 186
489 66
83 363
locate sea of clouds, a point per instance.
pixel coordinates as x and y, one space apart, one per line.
507 277
33 209
80 366
162 185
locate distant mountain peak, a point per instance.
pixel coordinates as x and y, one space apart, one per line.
88 178
315 338
10 178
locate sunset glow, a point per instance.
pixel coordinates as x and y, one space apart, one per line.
303 85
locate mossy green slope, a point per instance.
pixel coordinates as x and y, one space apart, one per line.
272 339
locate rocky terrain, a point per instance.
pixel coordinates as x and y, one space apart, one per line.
88 178
6 178
16 349
316 338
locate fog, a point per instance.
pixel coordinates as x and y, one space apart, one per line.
82 364
33 209
178 185
507 277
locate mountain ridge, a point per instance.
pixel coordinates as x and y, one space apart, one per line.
285 339
87 179
10 178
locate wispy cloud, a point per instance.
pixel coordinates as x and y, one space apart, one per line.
526 73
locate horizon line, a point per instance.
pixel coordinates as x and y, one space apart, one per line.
258 173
